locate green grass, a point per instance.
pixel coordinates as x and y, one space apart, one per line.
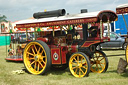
62 77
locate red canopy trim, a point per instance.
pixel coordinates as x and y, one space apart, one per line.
56 23
122 10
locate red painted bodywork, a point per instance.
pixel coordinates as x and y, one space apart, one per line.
56 51
43 39
60 53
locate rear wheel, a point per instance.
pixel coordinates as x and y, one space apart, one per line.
79 64
36 57
99 62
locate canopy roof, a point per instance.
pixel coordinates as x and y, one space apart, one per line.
69 19
121 9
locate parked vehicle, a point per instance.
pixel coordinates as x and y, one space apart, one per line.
116 41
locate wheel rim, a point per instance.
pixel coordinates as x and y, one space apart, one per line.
78 65
35 58
127 53
98 62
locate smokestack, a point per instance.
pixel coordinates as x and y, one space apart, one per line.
85 26
84 10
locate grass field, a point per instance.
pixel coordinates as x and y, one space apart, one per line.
62 77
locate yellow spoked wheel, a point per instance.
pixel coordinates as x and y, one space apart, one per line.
79 64
99 62
126 53
36 57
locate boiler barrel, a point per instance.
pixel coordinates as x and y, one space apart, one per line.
54 13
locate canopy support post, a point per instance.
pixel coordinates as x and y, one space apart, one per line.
101 29
26 34
53 31
125 22
35 33
108 28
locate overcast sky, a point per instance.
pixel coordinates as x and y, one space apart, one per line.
22 9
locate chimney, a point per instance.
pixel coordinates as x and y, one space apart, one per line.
84 10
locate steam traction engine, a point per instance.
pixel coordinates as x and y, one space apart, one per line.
67 41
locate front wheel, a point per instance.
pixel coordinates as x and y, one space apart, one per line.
79 64
99 62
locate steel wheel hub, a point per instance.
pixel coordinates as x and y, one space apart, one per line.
97 62
36 58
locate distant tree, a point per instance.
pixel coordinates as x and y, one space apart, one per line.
3 18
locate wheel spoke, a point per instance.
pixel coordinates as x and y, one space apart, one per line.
38 67
76 70
73 67
84 67
84 62
78 58
41 52
33 51
79 72
35 65
74 63
100 65
92 64
35 48
30 53
31 58
38 50
43 57
97 67
41 64
43 61
82 71
32 63
75 60
97 57
101 59
81 60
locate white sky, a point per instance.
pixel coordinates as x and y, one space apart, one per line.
22 9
